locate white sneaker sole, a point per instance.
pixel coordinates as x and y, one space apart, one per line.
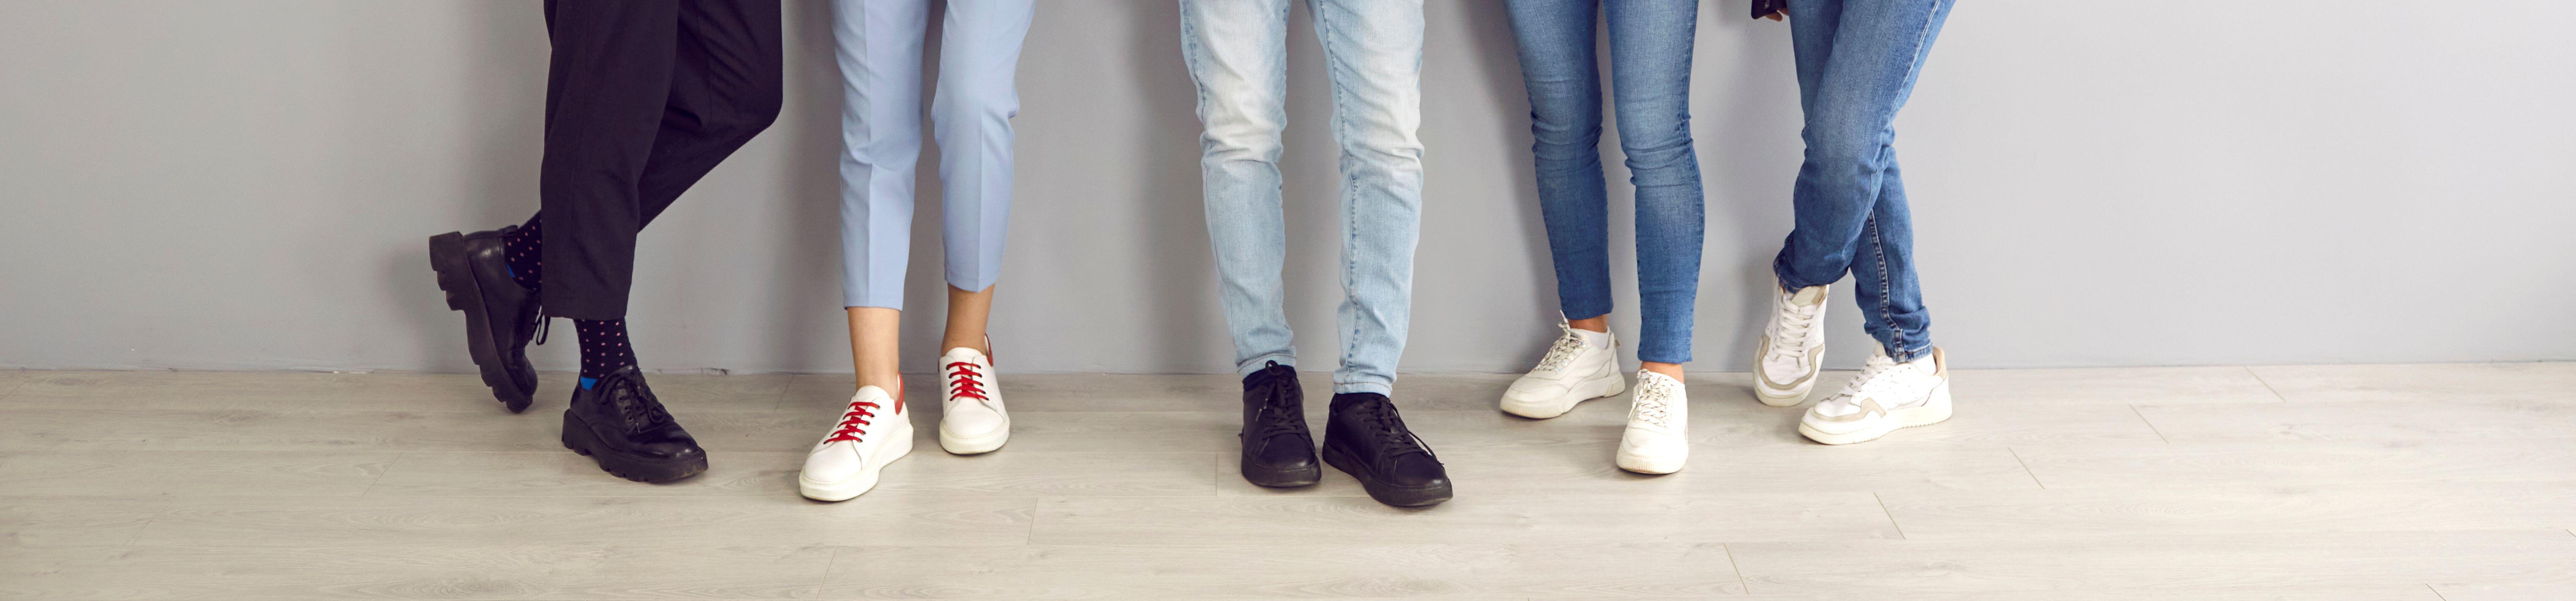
1645 464
899 440
976 445
1602 387
1933 411
1787 397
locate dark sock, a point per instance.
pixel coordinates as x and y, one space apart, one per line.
519 249
603 348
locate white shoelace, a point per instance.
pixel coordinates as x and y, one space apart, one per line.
1790 325
1868 381
1561 353
1654 403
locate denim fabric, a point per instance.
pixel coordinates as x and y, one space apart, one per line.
1650 63
1857 60
1236 51
879 47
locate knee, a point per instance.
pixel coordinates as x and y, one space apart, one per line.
1240 141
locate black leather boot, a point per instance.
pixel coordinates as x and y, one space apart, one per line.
1366 438
500 315
617 422
1277 450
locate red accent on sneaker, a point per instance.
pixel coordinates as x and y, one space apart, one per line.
962 382
857 415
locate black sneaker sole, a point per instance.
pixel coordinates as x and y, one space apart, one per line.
577 436
464 293
1400 496
1288 478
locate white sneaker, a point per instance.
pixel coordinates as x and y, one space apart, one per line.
1793 348
874 431
1581 366
1885 396
971 418
1657 439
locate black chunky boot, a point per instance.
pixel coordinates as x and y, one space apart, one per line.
617 422
500 315
1277 450
1366 438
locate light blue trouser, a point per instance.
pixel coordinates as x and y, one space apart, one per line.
1237 52
880 45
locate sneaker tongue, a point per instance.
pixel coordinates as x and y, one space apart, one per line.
1807 295
962 354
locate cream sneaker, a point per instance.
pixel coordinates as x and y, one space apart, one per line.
971 419
874 431
1793 348
1657 440
1576 369
1885 396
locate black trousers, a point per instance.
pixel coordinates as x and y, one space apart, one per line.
643 97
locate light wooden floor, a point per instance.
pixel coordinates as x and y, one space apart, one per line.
2328 483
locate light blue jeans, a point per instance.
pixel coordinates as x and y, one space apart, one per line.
1650 65
1857 61
879 46
1237 52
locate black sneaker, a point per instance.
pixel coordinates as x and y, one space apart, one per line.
500 315
1367 439
617 422
1277 450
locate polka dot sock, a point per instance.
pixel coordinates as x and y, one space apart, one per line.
603 348
519 250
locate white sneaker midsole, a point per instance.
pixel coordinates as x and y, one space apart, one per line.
1606 385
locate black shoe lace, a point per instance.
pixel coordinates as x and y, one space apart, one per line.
1282 411
636 405
1393 439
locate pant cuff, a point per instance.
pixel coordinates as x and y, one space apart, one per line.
1263 362
1904 355
1382 388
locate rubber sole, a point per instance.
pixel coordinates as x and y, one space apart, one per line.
1791 397
1933 411
1399 496
577 436
900 441
976 445
465 294
1596 388
1649 465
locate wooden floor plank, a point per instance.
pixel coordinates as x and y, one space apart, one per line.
2135 562
2380 592
1801 468
2110 386
2379 421
418 572
1254 570
2543 381
75 520
410 392
2243 464
1560 519
881 517
2211 509
146 473
2485 592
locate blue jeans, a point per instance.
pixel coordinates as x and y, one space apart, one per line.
1856 64
879 46
1237 52
1650 63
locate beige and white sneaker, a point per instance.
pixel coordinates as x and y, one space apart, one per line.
1657 440
1885 396
1582 365
1793 348
874 431
971 419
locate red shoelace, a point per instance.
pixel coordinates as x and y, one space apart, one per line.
963 383
858 415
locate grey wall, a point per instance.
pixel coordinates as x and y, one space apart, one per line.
247 185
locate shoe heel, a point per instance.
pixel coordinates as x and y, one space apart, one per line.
447 259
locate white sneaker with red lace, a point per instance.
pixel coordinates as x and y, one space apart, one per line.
971 418
874 431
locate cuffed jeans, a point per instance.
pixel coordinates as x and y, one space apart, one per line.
1857 60
1650 63
1237 54
879 47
